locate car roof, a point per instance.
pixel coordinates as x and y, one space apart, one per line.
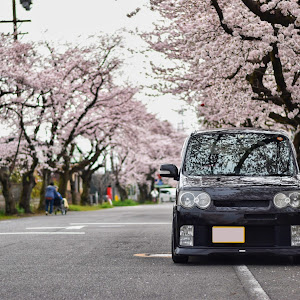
240 130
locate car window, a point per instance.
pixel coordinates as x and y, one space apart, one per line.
245 154
164 192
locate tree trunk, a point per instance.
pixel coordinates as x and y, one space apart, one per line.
63 182
122 191
46 181
151 177
86 182
10 204
28 183
73 190
144 194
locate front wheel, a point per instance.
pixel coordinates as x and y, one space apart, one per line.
177 259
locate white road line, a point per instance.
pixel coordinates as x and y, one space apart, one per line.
36 228
75 227
250 284
41 232
111 226
66 227
121 223
162 255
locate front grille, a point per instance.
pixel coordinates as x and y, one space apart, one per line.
241 203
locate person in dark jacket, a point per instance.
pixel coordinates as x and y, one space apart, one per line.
58 199
50 195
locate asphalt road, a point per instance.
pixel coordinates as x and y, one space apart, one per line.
124 253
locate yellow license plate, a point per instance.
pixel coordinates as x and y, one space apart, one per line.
228 234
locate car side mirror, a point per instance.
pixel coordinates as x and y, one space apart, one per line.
169 170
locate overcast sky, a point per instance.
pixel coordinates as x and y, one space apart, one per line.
66 20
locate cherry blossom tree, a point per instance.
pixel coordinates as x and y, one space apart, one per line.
80 81
16 62
50 97
9 147
55 101
125 145
143 147
236 60
94 136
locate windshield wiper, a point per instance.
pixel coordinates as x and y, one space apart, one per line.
279 175
227 174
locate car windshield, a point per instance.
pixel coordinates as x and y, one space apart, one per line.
239 154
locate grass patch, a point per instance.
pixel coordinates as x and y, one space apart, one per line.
106 205
73 207
4 217
127 202
20 210
20 213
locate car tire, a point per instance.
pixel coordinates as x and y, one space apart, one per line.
177 259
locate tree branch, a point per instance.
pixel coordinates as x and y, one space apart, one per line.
226 28
280 81
283 120
273 17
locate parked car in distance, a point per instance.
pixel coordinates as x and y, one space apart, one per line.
167 194
238 192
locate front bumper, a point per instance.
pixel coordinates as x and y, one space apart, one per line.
196 251
266 232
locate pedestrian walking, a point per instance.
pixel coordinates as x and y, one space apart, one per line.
154 195
50 195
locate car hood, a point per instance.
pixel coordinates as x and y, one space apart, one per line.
236 181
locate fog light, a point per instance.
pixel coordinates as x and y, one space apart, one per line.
295 235
186 235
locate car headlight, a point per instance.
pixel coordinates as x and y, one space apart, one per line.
281 200
187 200
284 199
191 198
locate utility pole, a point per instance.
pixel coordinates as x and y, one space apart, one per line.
15 21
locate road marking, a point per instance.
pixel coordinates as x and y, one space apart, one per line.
67 227
74 227
158 223
110 226
42 232
250 284
163 255
36 228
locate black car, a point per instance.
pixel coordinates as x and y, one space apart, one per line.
238 192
